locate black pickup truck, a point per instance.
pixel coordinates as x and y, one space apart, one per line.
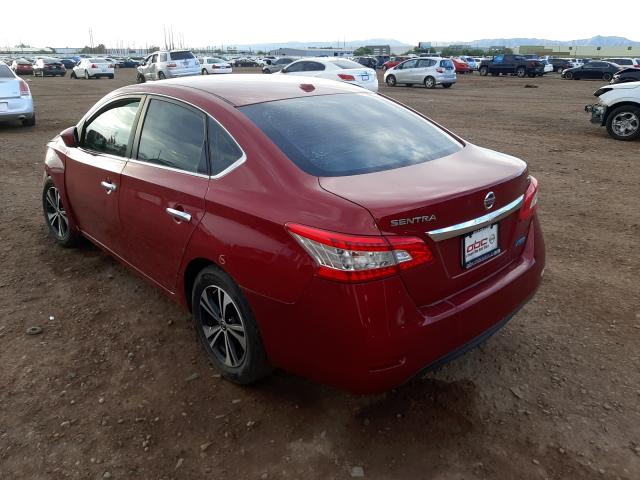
511 65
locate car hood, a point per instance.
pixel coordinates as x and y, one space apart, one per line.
624 86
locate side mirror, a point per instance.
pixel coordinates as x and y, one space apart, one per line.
70 137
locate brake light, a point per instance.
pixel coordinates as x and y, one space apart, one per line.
24 89
440 70
354 258
530 199
347 77
110 65
93 65
215 67
171 65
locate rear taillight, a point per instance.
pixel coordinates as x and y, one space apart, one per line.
171 65
111 65
24 89
215 67
93 65
530 202
353 258
347 77
440 70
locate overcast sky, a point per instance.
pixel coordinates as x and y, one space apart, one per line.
217 23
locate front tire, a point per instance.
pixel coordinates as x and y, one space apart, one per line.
140 78
73 76
484 71
447 85
623 123
430 82
568 75
56 217
86 75
606 76
204 71
29 122
521 72
161 76
391 81
227 329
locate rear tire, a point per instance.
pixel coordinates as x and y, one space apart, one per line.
623 123
484 71
29 122
140 78
568 75
73 76
111 77
226 328
391 81
204 72
606 76
521 72
447 85
430 82
86 75
161 76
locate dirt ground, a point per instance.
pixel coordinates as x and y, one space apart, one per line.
116 386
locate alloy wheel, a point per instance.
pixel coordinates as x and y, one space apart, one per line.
223 326
56 214
625 124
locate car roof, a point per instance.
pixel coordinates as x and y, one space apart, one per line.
246 89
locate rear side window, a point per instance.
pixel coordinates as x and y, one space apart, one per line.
345 64
349 134
181 55
5 72
162 57
223 150
173 136
446 63
110 131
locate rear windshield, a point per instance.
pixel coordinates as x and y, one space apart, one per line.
5 72
181 55
346 64
215 60
349 134
446 63
98 60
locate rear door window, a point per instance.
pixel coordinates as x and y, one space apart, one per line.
349 134
173 136
223 149
313 67
110 131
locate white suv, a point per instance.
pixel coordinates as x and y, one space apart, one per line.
168 64
618 109
429 71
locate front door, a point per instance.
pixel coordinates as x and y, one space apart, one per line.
163 189
93 171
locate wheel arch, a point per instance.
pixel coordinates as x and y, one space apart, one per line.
613 107
191 271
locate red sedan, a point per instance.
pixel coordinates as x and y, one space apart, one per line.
22 67
393 62
295 240
461 66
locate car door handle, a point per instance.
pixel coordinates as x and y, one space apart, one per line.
109 187
179 215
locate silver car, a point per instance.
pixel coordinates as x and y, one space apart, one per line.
429 71
15 98
168 64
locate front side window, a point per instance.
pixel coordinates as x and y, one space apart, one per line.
173 136
409 64
110 131
498 59
349 134
223 150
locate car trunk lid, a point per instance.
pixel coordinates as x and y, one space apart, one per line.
9 88
438 194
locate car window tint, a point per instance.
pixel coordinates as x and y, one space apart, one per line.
409 64
110 131
181 55
5 71
498 59
163 57
345 64
173 136
295 67
349 134
223 150
313 67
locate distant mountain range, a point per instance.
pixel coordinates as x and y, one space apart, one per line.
598 41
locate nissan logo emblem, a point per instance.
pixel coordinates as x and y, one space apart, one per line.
489 200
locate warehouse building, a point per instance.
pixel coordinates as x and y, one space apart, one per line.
584 51
312 52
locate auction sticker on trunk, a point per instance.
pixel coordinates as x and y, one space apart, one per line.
4 107
480 245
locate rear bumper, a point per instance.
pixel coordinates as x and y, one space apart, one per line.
185 73
371 337
17 109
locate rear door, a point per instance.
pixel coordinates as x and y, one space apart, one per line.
410 72
93 171
163 188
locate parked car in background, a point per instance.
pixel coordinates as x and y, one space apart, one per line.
214 65
129 63
461 66
370 62
333 68
430 72
392 62
89 68
618 109
381 60
592 70
473 64
548 67
68 63
46 66
16 102
168 64
22 66
559 64
400 245
623 62
508 64
626 75
277 65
